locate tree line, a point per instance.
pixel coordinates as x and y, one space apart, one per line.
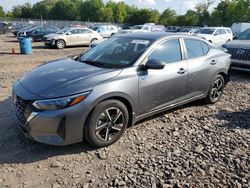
224 14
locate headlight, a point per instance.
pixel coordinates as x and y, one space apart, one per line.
54 104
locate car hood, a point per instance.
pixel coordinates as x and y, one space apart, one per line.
65 77
53 35
238 44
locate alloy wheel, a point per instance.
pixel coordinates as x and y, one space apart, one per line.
109 124
60 44
217 89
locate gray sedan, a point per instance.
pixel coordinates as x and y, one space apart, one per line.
112 86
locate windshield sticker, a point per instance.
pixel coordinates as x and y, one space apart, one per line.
145 42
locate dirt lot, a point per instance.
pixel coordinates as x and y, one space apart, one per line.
196 145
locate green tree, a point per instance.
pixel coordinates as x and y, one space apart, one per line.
89 10
43 8
191 18
2 13
168 17
105 14
202 11
64 10
142 16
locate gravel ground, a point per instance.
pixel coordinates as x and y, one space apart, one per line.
196 145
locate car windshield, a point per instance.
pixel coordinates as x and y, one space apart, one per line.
116 52
205 31
63 31
245 35
95 28
137 27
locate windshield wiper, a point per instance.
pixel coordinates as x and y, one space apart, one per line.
94 63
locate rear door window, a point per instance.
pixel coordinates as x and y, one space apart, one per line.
206 48
194 48
168 51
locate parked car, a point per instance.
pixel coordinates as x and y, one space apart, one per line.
39 32
240 51
215 35
3 27
26 31
239 27
71 37
106 31
146 28
97 95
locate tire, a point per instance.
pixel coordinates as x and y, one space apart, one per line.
60 44
106 124
216 90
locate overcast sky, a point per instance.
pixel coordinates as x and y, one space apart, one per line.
181 6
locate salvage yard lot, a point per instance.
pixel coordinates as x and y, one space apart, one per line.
196 145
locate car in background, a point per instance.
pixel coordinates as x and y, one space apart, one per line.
3 27
239 27
97 95
38 33
106 31
71 37
240 51
146 28
215 35
26 31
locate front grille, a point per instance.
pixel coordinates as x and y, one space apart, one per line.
239 53
20 107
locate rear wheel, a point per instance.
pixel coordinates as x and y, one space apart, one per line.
216 90
107 123
60 44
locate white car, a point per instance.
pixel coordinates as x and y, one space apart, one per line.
145 28
215 35
106 31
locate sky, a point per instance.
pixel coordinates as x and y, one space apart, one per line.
181 6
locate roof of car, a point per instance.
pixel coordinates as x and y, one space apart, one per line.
215 28
151 35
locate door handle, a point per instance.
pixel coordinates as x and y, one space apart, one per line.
182 71
213 62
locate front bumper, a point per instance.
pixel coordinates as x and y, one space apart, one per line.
242 65
51 42
54 127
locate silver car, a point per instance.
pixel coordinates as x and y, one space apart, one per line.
71 37
126 78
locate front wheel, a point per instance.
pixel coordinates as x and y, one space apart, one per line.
216 90
60 44
106 124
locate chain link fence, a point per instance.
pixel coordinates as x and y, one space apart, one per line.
58 23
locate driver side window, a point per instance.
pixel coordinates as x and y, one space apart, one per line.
169 51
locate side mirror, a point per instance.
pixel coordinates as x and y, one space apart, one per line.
235 37
216 34
155 64
68 33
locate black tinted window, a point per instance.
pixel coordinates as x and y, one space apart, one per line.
194 48
168 51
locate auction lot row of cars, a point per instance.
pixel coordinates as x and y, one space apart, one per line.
95 96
